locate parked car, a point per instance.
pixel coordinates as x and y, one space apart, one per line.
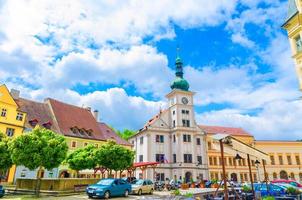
141 186
2 191
109 187
129 179
292 182
287 185
273 190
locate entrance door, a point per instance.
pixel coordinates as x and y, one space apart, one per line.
188 177
283 175
234 177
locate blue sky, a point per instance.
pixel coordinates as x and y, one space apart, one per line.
118 57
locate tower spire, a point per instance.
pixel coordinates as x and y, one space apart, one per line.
179 82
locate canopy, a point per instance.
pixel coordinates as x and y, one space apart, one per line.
233 146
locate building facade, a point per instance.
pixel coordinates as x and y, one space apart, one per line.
293 26
79 126
12 120
172 138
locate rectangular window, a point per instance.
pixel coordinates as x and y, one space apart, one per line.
141 140
187 112
199 160
187 158
19 116
215 161
141 158
186 138
85 144
10 132
220 163
174 123
173 112
73 144
280 160
159 138
298 160
230 161
298 43
160 158
160 176
185 123
211 160
243 162
174 138
197 141
183 111
272 160
3 112
174 158
209 146
289 159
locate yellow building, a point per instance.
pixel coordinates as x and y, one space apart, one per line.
236 170
293 26
285 159
11 119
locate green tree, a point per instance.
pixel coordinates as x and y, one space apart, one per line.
5 156
114 157
82 158
125 134
40 148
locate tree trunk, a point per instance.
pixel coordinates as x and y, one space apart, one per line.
38 185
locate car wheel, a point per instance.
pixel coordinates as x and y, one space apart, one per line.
151 191
139 192
126 194
107 195
90 197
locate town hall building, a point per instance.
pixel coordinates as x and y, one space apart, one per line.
172 138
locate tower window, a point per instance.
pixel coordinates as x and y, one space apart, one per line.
173 123
141 140
298 43
3 112
185 123
186 138
159 138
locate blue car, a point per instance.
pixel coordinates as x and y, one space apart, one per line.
273 190
109 187
2 191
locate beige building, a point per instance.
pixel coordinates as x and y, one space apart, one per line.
293 26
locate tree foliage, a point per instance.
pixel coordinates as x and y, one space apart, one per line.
82 158
114 156
5 156
39 148
125 134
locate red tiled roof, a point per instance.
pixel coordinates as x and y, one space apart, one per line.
153 119
36 111
227 130
69 116
108 133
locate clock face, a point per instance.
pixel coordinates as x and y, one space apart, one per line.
184 100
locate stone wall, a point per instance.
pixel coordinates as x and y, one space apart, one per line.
55 184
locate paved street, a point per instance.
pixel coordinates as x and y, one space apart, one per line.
76 197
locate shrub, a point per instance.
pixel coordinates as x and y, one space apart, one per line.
292 190
176 192
189 195
246 188
269 198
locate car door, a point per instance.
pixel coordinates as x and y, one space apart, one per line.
122 186
145 187
115 191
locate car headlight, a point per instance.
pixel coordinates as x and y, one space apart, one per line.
99 190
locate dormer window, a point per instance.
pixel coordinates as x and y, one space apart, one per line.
47 125
33 122
82 131
74 130
89 132
19 116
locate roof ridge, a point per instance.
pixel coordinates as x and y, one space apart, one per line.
68 104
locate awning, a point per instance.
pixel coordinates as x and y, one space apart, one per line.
233 146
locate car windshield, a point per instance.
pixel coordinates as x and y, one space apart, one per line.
138 182
105 182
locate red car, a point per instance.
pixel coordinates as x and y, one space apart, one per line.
292 182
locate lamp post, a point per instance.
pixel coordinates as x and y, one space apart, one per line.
257 162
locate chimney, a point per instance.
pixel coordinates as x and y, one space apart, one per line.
88 108
96 115
15 93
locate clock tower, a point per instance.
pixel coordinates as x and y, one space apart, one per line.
181 100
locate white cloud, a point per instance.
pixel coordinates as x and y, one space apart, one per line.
242 40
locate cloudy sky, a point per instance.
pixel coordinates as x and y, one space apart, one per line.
118 57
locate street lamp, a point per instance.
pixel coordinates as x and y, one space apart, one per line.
257 163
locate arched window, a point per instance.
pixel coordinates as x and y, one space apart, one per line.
300 176
275 175
283 175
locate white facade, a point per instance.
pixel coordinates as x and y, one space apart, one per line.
173 138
